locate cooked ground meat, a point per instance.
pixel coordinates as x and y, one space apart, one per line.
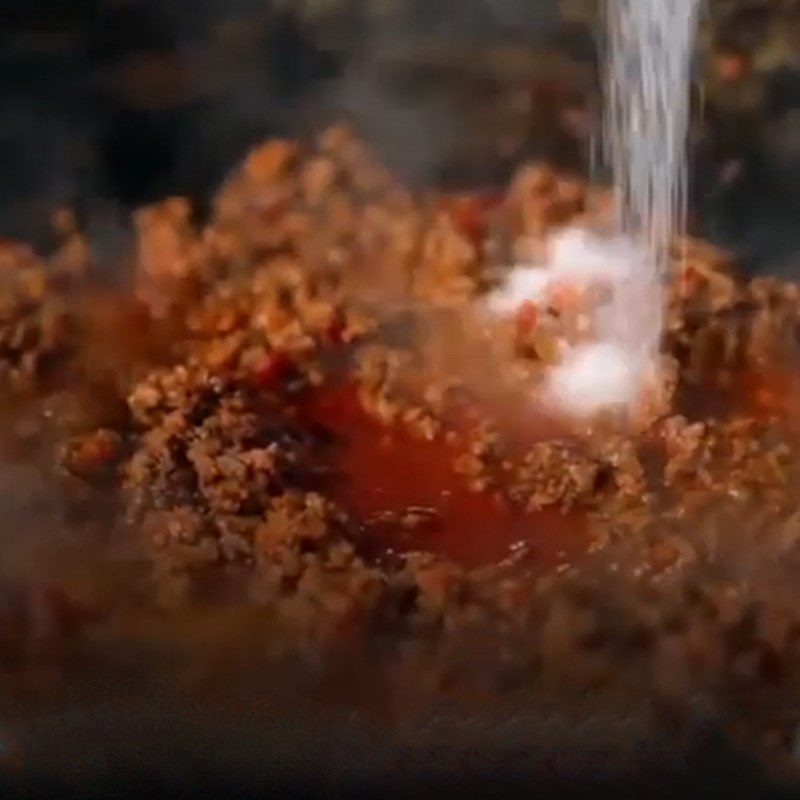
318 274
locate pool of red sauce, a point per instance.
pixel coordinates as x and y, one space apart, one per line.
380 468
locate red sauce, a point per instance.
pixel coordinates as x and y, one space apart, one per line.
471 212
527 318
385 469
273 368
774 393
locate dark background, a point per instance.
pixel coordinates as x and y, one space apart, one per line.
125 101
109 104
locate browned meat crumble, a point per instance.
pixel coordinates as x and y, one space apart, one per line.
318 278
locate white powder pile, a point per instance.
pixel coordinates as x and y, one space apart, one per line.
594 377
591 377
649 58
575 256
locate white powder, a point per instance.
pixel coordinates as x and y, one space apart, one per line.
594 377
523 284
576 256
605 373
650 46
581 255
648 80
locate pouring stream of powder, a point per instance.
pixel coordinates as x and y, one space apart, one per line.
650 45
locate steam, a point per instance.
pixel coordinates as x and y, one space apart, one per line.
650 44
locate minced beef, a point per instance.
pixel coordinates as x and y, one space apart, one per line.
317 270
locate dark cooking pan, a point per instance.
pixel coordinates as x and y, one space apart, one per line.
159 749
